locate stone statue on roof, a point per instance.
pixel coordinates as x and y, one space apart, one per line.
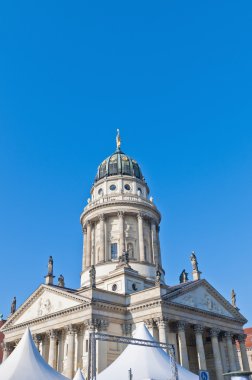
61 281
183 276
50 266
194 261
233 298
13 305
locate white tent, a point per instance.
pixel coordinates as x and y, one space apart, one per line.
26 363
146 363
78 375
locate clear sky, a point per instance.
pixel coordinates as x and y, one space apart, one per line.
175 77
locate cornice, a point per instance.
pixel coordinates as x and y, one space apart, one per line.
48 317
209 314
142 206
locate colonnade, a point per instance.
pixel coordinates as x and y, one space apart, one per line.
90 256
66 349
161 329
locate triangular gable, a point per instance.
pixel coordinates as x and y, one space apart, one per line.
44 301
201 295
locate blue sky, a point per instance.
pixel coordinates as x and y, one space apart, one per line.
175 77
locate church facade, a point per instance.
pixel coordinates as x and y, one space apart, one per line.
123 284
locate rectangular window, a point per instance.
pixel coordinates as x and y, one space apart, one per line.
113 251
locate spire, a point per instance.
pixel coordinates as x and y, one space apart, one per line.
118 140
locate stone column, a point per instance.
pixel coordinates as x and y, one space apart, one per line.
6 350
150 323
102 349
198 329
154 242
69 371
216 353
80 338
60 361
45 347
172 338
244 356
37 340
121 233
88 245
182 344
93 260
52 358
102 240
238 367
161 323
231 357
84 254
140 237
158 247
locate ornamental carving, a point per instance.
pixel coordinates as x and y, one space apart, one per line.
214 332
44 306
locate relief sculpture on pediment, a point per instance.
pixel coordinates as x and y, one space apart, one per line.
44 306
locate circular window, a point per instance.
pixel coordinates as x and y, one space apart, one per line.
100 192
127 187
112 187
114 287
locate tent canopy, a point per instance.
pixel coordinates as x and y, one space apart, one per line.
146 363
26 363
78 375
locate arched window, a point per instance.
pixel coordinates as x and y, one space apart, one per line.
125 165
130 249
113 166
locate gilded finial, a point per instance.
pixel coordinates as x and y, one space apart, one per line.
118 140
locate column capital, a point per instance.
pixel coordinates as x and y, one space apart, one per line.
53 334
241 338
214 332
6 346
140 215
198 329
120 214
161 321
37 338
101 217
181 325
154 223
228 334
126 328
84 229
102 324
70 329
150 322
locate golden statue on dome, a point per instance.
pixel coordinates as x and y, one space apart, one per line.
118 140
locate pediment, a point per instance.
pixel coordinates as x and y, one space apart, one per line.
202 296
43 302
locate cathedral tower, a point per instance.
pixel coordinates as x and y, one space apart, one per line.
120 218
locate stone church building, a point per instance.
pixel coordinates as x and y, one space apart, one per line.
123 284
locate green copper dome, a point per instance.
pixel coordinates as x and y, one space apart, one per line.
119 164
